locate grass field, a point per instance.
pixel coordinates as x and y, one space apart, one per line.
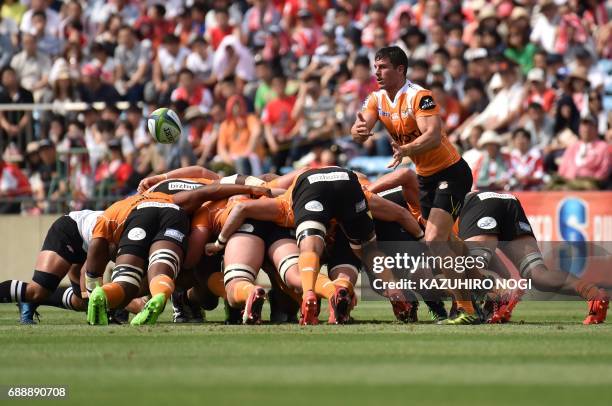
545 357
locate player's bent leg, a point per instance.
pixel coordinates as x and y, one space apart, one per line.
525 254
343 300
164 265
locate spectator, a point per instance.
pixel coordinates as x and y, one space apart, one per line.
32 67
93 89
545 28
113 172
587 159
537 92
527 165
538 124
256 19
311 112
190 91
264 93
156 24
200 61
473 153
53 19
450 109
306 37
491 171
412 41
222 28
279 125
47 43
97 141
505 107
13 185
170 59
104 62
377 14
240 141
133 71
15 125
13 10
53 175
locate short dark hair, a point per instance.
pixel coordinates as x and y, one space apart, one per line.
523 131
395 55
39 13
105 126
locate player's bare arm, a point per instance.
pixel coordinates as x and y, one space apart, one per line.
385 210
261 209
187 172
191 200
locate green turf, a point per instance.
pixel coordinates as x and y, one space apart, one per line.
545 357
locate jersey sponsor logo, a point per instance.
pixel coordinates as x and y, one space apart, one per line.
183 186
69 247
247 228
159 205
524 226
383 113
328 177
360 206
406 114
493 195
487 223
443 185
137 234
389 191
175 234
427 103
395 116
313 205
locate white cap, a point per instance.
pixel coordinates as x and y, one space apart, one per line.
536 75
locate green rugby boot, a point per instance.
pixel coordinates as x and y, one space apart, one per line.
462 318
97 308
151 311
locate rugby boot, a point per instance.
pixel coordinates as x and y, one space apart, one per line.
340 306
598 308
309 309
27 311
97 308
253 306
151 311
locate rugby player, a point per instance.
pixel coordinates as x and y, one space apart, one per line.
63 253
311 202
489 220
412 120
145 228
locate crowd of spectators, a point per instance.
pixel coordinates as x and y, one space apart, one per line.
524 87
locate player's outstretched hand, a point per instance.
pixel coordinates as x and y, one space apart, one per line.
361 128
398 155
148 182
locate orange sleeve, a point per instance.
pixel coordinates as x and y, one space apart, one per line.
102 229
370 104
424 104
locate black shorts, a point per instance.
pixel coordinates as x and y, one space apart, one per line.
174 186
446 189
391 231
322 194
148 224
64 239
267 231
341 253
493 214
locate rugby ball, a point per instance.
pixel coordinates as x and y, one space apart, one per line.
164 126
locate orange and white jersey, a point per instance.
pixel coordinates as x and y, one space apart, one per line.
399 117
110 224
